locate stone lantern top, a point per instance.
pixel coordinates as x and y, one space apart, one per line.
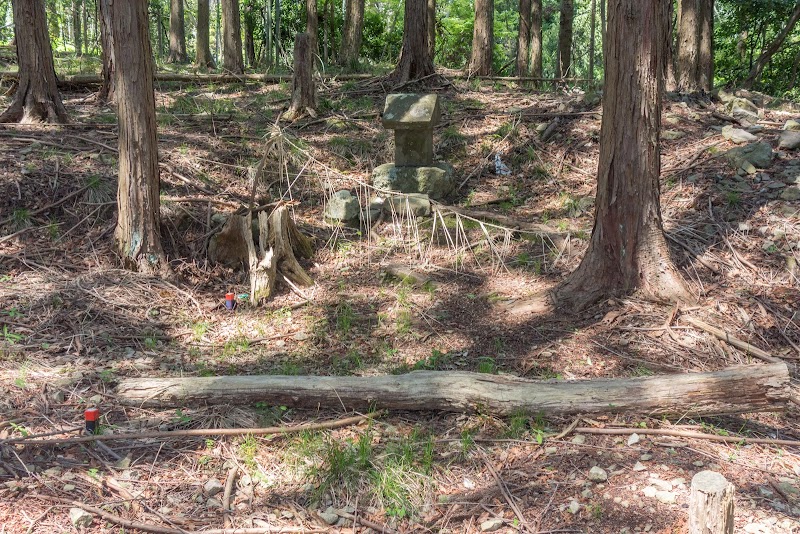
405 111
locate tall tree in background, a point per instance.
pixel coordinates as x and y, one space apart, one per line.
77 32
352 33
37 98
592 41
773 47
564 55
523 37
203 52
107 92
694 69
480 62
249 17
415 59
670 82
535 61
232 37
177 33
628 250
312 27
137 236
431 28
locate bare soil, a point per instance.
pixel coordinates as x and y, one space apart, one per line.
72 323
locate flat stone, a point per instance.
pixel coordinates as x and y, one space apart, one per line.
662 485
744 115
758 155
646 457
419 205
574 507
69 487
212 487
792 124
742 103
213 503
578 439
490 525
597 474
737 135
789 139
436 181
80 518
649 491
342 206
329 517
672 135
791 193
633 439
639 466
666 497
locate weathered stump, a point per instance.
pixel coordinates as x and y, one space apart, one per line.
304 92
711 504
279 244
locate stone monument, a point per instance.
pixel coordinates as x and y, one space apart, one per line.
412 117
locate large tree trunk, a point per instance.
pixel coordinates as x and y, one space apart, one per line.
177 33
77 34
137 235
592 41
536 39
415 60
523 37
249 36
312 28
628 250
773 47
232 37
695 64
203 53
741 389
304 92
107 92
564 58
351 35
480 62
37 98
671 82
431 28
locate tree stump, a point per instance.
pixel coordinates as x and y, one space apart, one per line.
304 92
279 244
711 504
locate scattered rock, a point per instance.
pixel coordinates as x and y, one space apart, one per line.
792 124
698 463
490 525
649 491
790 193
744 115
418 204
672 135
342 206
574 507
662 485
213 503
633 439
550 450
57 396
737 135
212 487
597 474
646 457
666 497
587 493
639 466
758 155
435 181
329 516
579 439
789 139
69 487
80 518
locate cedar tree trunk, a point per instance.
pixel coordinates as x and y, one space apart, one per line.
108 88
695 62
312 27
37 98
137 236
480 62
564 58
203 53
232 37
76 27
592 42
304 92
773 47
351 35
249 36
669 53
431 28
415 60
523 37
177 33
628 250
536 39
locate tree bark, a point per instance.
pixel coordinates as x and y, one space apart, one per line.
564 58
249 36
591 42
536 39
671 83
76 27
695 64
711 504
480 62
352 33
37 98
524 37
177 33
628 250
137 235
773 47
415 60
203 52
107 92
312 28
232 37
304 91
432 28
741 389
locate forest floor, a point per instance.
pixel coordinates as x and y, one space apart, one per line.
72 323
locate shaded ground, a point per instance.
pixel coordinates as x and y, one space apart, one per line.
73 324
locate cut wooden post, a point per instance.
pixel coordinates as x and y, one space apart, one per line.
711 504
304 92
740 389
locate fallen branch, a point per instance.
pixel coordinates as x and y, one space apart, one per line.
194 432
686 434
727 338
49 206
738 389
226 496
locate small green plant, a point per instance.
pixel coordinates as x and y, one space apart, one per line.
487 365
467 441
517 425
596 510
181 417
20 219
344 317
93 472
24 432
10 337
150 343
107 375
248 448
733 198
52 230
437 360
199 330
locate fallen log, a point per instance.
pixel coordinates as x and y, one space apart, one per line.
732 390
96 79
